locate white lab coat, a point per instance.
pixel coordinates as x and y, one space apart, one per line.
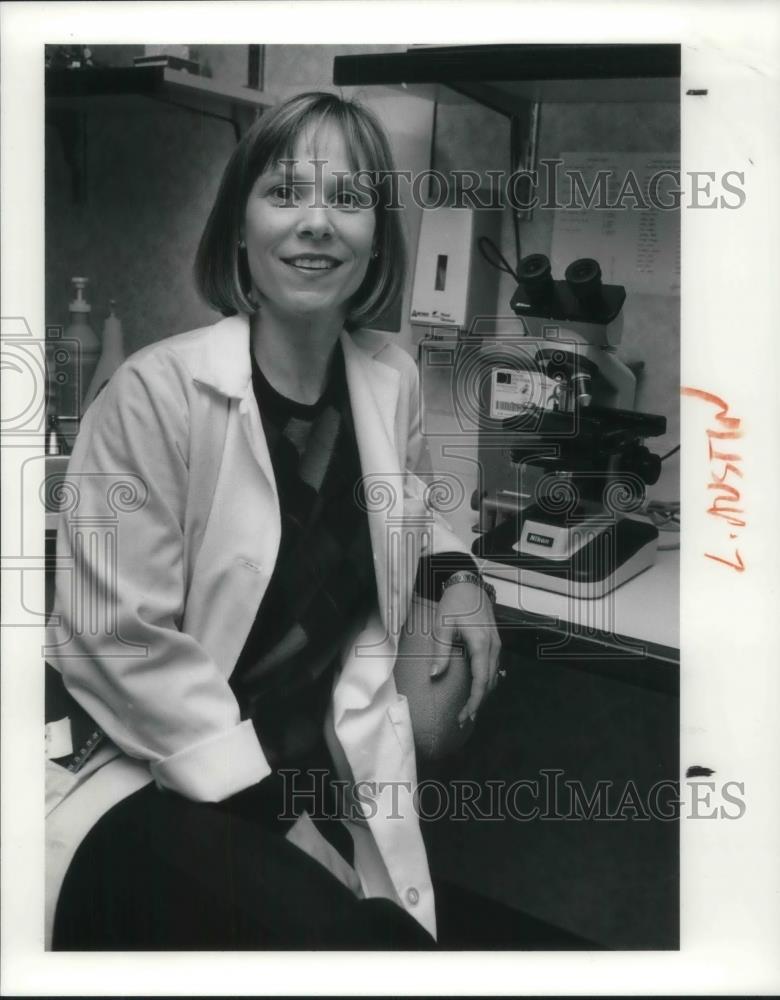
166 546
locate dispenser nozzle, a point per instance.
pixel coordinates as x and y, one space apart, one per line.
80 304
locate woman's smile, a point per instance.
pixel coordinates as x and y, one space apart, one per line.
313 263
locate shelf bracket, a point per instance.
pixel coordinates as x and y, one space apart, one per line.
240 117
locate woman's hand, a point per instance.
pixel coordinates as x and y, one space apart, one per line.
465 615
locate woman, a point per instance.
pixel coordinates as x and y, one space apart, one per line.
241 490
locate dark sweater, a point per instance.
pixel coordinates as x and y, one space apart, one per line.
323 581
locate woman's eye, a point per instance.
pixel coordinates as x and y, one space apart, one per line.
283 195
346 199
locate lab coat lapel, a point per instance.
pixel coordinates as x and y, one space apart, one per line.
224 363
373 393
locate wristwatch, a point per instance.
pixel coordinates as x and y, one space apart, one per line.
469 576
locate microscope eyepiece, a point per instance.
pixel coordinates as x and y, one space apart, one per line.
536 276
583 277
580 297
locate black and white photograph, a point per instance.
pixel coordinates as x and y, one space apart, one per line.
388 500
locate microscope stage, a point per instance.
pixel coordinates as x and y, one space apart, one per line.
624 548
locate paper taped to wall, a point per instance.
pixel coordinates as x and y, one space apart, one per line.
624 212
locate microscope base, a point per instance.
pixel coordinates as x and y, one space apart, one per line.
624 549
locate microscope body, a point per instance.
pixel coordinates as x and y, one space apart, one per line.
561 449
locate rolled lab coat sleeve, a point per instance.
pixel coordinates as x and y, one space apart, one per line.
120 592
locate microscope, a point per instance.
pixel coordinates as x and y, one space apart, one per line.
562 455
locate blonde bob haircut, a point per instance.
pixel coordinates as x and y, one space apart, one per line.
221 270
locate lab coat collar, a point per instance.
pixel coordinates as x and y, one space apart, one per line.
222 361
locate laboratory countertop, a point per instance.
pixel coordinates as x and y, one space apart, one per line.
645 608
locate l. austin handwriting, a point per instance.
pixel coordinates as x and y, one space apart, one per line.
723 463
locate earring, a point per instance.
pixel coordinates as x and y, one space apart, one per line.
374 254
242 244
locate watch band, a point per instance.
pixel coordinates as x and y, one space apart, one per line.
434 568
468 576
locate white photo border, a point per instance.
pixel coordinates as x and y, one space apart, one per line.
730 871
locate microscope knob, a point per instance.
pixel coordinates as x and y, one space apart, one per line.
643 462
651 470
581 384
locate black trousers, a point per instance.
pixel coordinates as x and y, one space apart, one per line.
161 873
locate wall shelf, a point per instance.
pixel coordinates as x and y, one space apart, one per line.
72 93
503 76
72 88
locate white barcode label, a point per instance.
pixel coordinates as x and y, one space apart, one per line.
511 391
516 391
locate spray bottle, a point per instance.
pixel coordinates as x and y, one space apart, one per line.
111 357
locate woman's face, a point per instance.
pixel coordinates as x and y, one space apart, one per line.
308 241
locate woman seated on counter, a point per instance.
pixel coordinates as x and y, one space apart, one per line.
256 611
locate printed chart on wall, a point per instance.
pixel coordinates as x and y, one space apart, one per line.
639 248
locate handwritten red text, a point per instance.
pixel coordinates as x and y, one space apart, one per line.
723 464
